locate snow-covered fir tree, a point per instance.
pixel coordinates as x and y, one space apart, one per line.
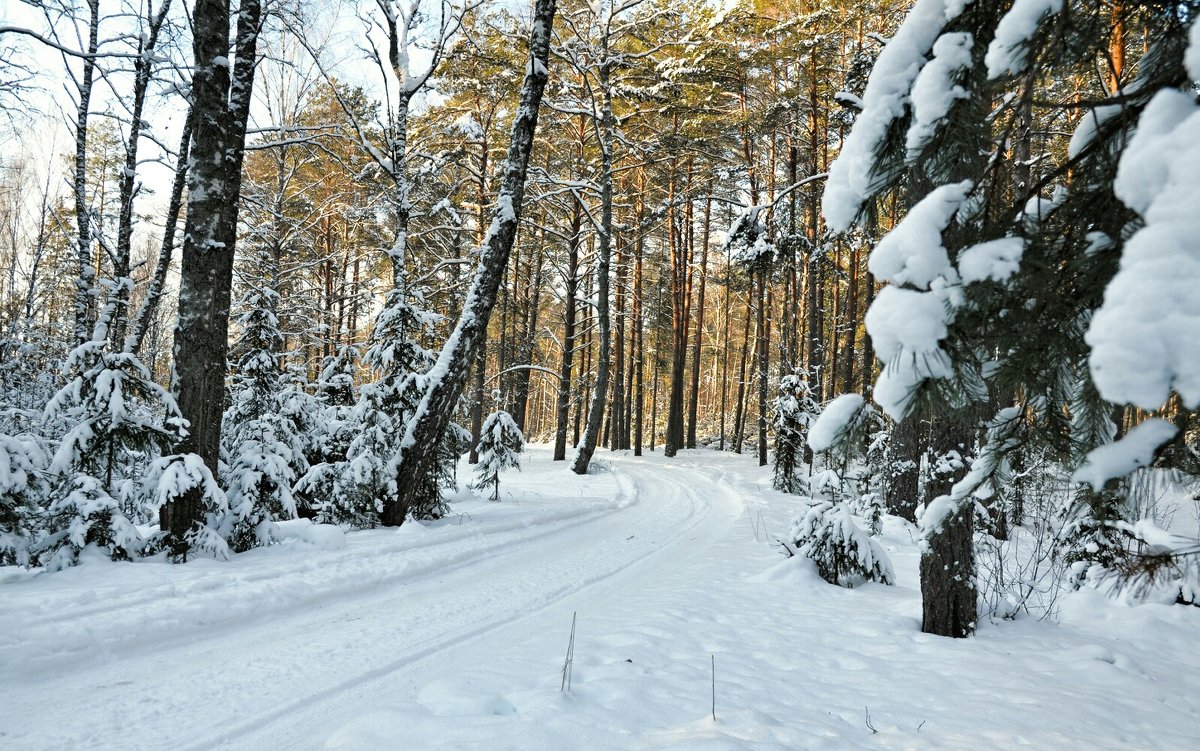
828 535
363 481
970 320
500 447
263 446
792 413
119 419
317 491
23 489
172 477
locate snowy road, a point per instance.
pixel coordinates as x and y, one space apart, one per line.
451 636
290 667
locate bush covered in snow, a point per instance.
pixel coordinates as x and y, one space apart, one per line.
792 414
500 446
845 555
22 490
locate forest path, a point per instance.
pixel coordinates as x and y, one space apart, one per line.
293 666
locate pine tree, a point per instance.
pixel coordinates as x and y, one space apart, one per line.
265 451
500 446
793 412
118 416
170 478
23 489
972 319
827 534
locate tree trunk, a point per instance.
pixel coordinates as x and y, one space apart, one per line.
763 348
694 399
591 431
221 109
948 602
571 285
158 282
449 375
86 279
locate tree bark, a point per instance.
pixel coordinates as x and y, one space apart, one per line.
948 601
86 279
694 398
591 431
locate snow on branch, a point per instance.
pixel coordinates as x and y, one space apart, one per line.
1121 457
1143 337
854 177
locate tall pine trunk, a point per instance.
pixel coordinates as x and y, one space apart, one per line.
221 107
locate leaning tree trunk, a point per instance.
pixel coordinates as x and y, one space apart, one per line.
418 448
591 432
143 69
158 281
221 107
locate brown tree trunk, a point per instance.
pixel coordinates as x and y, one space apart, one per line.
221 109
571 290
694 400
948 601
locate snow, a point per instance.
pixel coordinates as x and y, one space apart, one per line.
452 635
832 421
1191 58
995 260
1143 336
934 91
852 176
1091 121
906 327
912 253
1006 53
1121 457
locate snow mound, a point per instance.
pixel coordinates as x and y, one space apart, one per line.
322 536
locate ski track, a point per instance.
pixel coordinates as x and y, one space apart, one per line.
328 657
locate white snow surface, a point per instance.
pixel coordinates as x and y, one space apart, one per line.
452 635
1006 53
1143 337
832 421
934 91
912 252
887 95
1121 457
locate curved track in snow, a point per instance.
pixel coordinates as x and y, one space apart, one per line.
285 671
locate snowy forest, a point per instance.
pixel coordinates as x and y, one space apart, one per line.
302 302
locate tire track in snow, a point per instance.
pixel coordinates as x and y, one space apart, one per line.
130 634
699 516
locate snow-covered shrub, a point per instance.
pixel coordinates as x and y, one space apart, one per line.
844 554
119 416
500 446
172 477
792 412
87 517
22 490
455 442
259 486
263 445
871 507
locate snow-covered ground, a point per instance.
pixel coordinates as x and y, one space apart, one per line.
453 636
